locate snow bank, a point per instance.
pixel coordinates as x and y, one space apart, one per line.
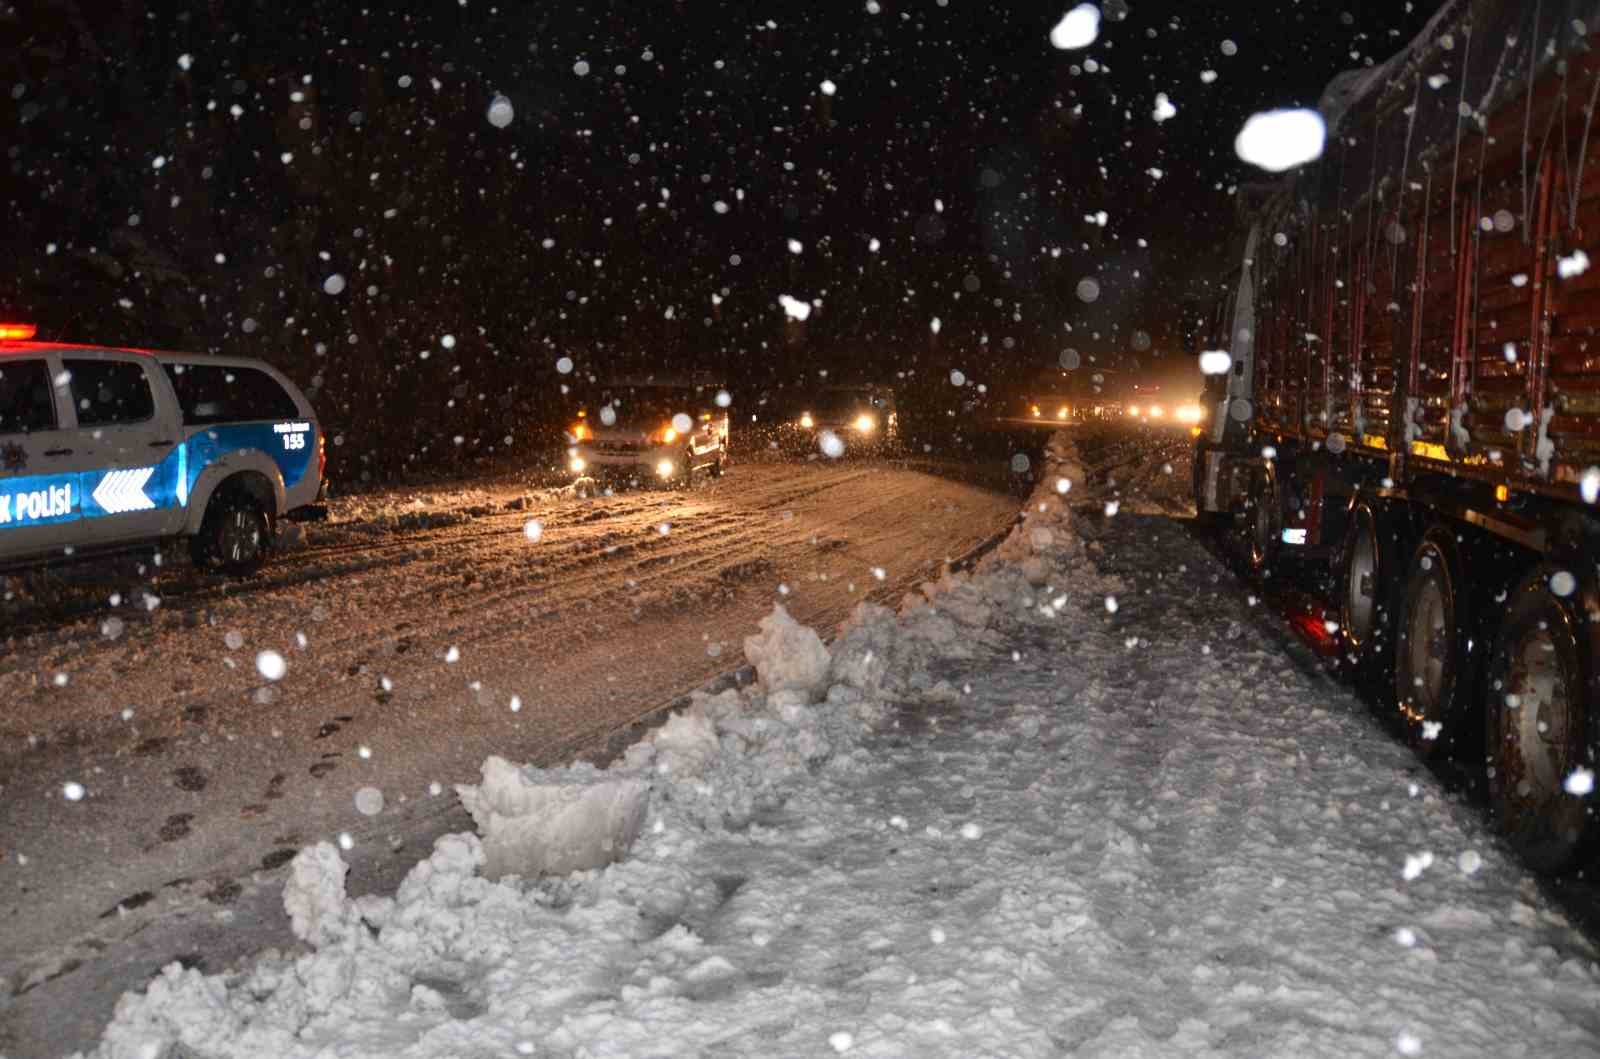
495 940
553 821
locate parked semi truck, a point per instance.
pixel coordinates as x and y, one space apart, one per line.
1406 398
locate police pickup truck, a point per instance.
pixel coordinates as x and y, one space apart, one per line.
104 450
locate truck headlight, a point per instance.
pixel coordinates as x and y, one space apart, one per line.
665 468
866 424
577 463
806 421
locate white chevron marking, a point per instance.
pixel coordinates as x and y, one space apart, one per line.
122 491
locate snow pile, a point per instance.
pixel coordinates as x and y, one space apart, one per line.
314 896
553 821
787 656
993 824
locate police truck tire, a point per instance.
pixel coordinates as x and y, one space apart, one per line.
235 534
1537 730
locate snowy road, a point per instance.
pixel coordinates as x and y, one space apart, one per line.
1082 803
421 630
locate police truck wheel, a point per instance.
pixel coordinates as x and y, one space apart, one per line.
1536 729
1432 683
234 536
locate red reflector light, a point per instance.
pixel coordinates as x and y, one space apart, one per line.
17 332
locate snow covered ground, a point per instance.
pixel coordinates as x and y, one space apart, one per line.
1073 803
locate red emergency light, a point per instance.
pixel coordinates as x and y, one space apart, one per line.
17 332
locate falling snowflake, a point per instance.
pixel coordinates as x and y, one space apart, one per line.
1589 485
72 792
334 284
1164 108
1276 140
1078 28
500 112
1416 864
1580 782
270 665
794 307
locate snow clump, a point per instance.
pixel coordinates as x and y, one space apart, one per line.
553 821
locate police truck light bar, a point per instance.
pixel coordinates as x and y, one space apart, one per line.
17 332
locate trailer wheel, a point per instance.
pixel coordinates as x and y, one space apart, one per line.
1432 682
1364 596
1264 519
1536 728
1206 520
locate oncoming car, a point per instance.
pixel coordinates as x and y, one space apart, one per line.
862 418
651 430
104 450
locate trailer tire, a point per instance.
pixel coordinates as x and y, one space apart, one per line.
1203 519
1537 731
1432 666
1366 598
1263 520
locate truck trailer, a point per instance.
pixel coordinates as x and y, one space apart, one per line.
1405 399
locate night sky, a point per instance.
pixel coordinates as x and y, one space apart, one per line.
192 175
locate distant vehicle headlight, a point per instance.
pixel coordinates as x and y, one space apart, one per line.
665 468
1035 411
806 421
1189 413
577 464
1156 411
866 424
580 431
1133 410
669 435
1063 412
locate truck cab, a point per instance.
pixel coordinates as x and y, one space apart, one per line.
110 449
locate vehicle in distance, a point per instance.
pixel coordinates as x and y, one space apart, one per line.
863 418
105 450
1406 400
641 431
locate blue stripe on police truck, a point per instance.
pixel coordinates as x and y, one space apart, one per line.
39 500
47 499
